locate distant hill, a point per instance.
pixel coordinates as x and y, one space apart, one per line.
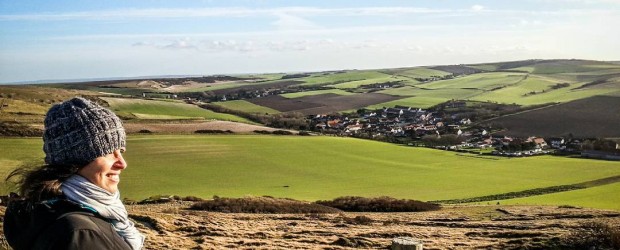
525 83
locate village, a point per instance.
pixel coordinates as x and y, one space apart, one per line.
447 131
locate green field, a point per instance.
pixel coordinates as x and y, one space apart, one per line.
325 167
482 81
421 72
502 87
349 76
485 67
317 92
245 106
152 109
558 95
571 66
225 85
521 92
356 84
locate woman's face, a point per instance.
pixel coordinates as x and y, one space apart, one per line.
105 170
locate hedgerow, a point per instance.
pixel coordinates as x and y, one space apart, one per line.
379 204
267 205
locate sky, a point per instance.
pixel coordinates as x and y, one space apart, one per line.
69 39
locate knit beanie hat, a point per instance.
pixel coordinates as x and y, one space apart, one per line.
77 131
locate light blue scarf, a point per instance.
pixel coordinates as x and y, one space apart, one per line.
108 205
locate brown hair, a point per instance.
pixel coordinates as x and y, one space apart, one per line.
40 183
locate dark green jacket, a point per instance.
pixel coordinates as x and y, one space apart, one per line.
58 224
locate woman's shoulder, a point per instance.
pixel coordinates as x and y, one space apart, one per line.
82 230
58 224
80 220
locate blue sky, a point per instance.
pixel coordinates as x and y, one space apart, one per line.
42 40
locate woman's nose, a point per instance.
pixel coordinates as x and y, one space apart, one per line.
120 161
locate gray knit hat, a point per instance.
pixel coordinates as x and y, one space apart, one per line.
77 131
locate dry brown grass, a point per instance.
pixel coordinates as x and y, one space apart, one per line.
173 226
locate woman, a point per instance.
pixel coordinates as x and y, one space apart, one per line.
73 202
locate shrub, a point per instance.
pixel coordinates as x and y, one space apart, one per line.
262 132
378 204
145 131
11 128
593 235
359 220
261 205
129 201
212 131
157 199
282 132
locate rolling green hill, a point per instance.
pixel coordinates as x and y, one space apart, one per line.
316 92
342 77
311 168
164 110
482 81
418 72
527 82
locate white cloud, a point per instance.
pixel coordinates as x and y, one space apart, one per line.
290 22
230 45
180 44
477 7
142 44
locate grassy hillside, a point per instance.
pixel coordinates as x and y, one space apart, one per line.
342 77
317 92
482 81
557 81
359 83
527 82
152 109
28 104
418 72
312 168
